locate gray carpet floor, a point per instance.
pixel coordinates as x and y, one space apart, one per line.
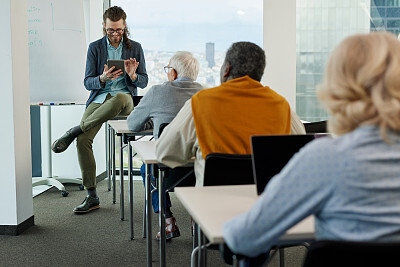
100 238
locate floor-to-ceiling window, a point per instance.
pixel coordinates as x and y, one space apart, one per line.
320 26
206 28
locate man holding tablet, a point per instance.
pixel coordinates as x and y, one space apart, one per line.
111 92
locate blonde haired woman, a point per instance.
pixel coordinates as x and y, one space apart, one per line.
350 183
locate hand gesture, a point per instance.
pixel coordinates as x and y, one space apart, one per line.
109 74
131 66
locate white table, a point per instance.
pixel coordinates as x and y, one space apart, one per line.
120 127
205 206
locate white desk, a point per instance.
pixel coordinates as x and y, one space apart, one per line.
120 128
205 206
146 151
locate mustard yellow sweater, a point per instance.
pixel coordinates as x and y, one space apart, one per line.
227 116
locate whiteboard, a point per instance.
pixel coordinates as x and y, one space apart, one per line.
57 51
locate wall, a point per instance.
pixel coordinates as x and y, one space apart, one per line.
279 42
16 203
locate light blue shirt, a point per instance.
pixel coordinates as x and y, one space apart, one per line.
115 86
351 184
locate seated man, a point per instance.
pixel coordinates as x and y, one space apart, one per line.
222 119
110 95
351 184
160 105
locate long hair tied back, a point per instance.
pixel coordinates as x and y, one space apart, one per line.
116 13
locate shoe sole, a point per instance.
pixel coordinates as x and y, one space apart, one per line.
89 210
55 150
54 145
170 236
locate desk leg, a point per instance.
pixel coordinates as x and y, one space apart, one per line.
161 217
148 214
130 166
108 155
121 175
144 210
281 252
114 184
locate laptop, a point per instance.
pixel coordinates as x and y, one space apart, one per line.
270 153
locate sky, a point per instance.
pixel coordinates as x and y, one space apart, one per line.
186 25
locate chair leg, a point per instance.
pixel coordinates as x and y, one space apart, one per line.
281 252
195 241
202 255
194 256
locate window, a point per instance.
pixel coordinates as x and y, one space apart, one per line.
320 26
205 28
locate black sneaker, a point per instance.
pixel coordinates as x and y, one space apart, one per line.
61 144
90 203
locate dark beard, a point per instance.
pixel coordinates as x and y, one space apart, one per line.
112 41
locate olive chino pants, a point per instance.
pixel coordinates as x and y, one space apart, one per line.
93 117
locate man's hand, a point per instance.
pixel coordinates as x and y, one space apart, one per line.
109 74
131 66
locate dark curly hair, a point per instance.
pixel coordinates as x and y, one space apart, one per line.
114 14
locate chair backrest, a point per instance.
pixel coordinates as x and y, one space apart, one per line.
136 99
316 127
329 253
271 153
181 176
228 169
161 129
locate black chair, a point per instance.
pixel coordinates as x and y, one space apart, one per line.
136 99
180 176
316 127
161 129
228 169
329 253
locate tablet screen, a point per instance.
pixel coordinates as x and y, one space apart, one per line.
119 64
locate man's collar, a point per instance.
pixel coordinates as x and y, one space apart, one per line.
183 79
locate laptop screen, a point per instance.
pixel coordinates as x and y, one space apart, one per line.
270 153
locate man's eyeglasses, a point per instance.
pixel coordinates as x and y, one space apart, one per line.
166 69
111 31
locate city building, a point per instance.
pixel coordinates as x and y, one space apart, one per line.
210 48
320 26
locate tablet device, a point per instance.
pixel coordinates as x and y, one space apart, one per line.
118 63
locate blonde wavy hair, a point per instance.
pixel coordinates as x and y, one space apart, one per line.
361 84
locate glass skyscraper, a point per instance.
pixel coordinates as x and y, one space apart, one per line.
320 26
210 54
